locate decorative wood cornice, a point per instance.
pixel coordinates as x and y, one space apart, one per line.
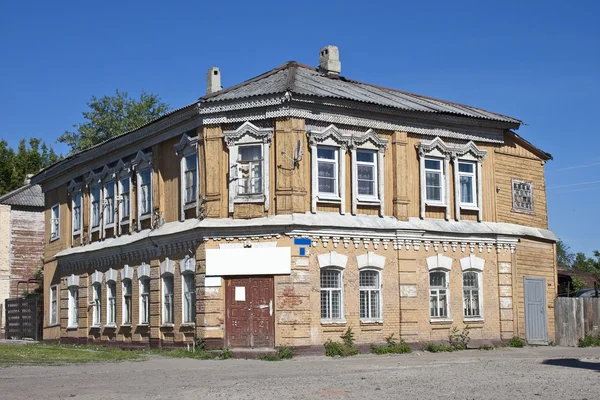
263 135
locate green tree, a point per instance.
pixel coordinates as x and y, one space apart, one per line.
564 255
587 264
8 179
111 116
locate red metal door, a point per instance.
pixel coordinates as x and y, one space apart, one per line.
249 312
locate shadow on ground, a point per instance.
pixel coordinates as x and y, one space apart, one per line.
573 363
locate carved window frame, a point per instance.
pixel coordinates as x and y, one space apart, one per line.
76 189
248 134
124 172
369 141
141 164
186 147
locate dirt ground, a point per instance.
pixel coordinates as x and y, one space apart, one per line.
529 373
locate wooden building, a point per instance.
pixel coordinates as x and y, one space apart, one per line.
285 209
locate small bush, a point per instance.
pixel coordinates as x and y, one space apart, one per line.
487 347
459 340
285 353
589 341
516 341
344 349
392 347
438 348
226 353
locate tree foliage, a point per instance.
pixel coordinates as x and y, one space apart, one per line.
587 264
564 255
29 158
111 116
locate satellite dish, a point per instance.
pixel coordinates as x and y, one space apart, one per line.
298 152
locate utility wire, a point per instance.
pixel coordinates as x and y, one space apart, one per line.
572 184
574 167
576 190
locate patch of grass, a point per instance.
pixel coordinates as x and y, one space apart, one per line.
283 353
589 341
344 349
392 347
51 354
487 347
183 353
438 348
516 341
226 353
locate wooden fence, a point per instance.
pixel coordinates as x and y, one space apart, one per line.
574 318
24 318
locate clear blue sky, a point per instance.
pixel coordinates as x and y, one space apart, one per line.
538 61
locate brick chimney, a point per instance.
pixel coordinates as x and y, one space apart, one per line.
329 60
213 80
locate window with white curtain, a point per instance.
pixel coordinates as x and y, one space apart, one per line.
167 315
189 298
331 294
97 307
370 294
73 317
327 169
250 169
53 304
467 182
438 294
127 292
434 180
366 179
144 300
125 203
190 177
145 177
95 205
109 204
111 303
54 222
471 294
76 221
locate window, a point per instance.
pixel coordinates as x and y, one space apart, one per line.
366 173
54 222
327 167
111 297
125 203
167 299
434 179
250 169
95 195
76 213
438 294
97 307
522 192
466 174
331 294
109 204
73 306
190 178
370 293
127 302
53 304
471 294
144 301
189 298
145 192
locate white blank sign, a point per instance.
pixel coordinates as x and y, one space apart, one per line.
240 293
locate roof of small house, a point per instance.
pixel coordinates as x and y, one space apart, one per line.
304 80
26 196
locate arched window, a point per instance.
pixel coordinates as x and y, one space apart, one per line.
438 294
370 294
188 268
167 269
331 294
471 295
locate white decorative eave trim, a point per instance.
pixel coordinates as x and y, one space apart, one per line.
74 186
143 271
436 146
439 262
263 135
472 262
111 275
93 179
96 277
472 149
167 267
72 280
370 260
185 143
187 265
332 259
141 158
332 133
126 272
370 137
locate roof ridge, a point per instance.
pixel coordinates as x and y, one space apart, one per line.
15 191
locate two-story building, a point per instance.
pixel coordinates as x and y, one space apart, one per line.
285 209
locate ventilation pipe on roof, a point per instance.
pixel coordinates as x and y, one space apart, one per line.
329 60
28 178
213 80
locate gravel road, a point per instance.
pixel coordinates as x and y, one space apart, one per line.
530 373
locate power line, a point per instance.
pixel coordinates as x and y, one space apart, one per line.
572 184
574 167
576 190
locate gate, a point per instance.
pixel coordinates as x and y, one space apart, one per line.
575 318
536 324
24 318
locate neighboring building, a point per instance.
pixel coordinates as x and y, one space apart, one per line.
21 240
285 209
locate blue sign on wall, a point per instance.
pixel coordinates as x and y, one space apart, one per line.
302 241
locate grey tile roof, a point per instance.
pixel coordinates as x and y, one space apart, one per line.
25 196
303 80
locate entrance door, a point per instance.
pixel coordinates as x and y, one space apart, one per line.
249 312
536 325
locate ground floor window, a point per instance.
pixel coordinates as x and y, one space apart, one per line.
472 307
53 304
127 302
438 294
167 299
370 293
189 298
144 300
73 306
111 310
97 307
331 294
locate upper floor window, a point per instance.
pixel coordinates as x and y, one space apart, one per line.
109 204
434 180
366 173
145 178
522 193
125 199
248 164
249 169
95 206
467 182
327 170
55 222
76 205
190 175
